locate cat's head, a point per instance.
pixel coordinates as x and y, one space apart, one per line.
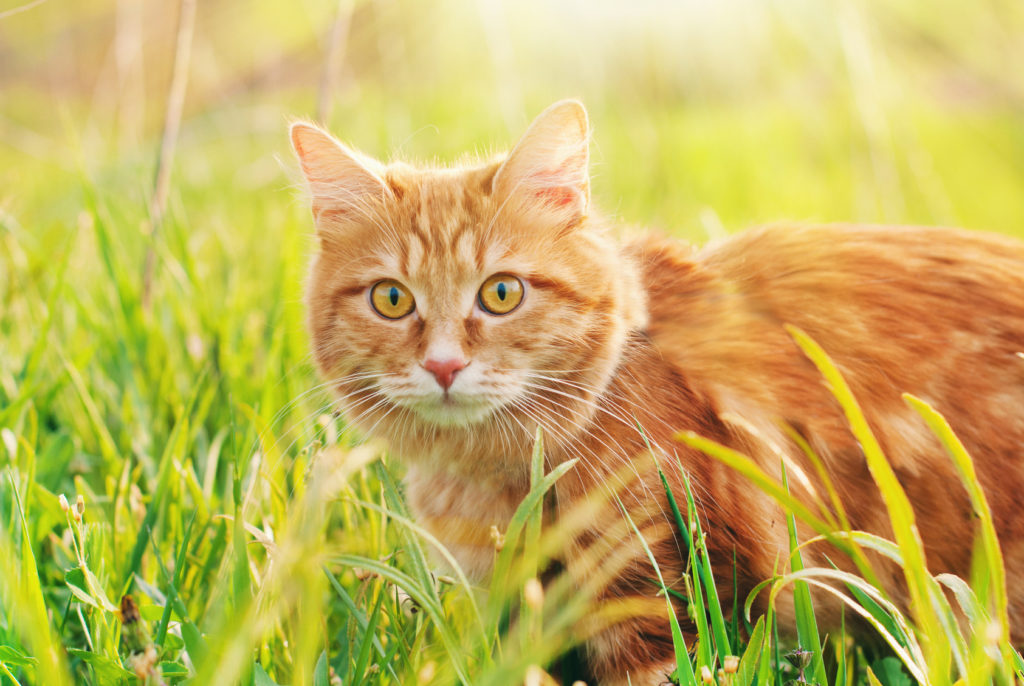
447 297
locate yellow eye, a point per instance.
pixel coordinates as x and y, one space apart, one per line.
391 299
501 294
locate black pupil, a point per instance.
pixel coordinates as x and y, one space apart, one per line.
502 290
393 296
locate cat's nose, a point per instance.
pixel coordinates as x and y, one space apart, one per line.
444 370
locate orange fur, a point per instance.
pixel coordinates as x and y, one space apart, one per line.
652 333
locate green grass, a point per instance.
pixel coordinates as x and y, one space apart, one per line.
260 542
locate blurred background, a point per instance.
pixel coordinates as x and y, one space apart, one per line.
706 114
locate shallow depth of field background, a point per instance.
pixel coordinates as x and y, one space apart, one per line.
171 403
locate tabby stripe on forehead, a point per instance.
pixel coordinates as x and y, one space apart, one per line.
453 243
481 252
403 258
421 225
406 255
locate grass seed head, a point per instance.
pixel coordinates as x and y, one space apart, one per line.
994 633
427 672
404 602
497 538
533 593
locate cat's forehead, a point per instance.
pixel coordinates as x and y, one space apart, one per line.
444 226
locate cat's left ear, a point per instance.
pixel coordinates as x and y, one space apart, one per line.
342 182
549 165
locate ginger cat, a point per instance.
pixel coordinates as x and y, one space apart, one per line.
455 310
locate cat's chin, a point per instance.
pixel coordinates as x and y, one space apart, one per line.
448 413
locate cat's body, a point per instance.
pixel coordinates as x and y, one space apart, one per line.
609 337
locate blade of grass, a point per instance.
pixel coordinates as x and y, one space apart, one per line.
174 582
749 662
365 649
423 598
911 656
28 602
989 539
819 468
418 530
841 651
750 469
803 606
683 669
696 595
901 514
500 576
361 620
190 633
707 578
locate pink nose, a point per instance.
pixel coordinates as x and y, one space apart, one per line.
444 370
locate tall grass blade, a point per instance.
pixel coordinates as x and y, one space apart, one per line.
684 672
822 472
841 657
436 544
901 514
910 655
363 658
695 598
803 607
423 598
362 622
750 661
22 593
702 562
750 469
501 574
993 556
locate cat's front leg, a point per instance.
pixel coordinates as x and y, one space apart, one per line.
627 632
629 655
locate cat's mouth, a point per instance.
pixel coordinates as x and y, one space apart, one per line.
472 398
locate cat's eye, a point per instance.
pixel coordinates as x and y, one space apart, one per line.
501 294
391 299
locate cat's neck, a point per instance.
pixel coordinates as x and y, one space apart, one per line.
485 451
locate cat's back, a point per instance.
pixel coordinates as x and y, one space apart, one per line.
938 313
899 297
866 266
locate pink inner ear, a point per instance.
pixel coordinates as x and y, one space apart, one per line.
560 187
559 196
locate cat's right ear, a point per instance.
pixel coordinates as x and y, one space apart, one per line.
342 182
548 168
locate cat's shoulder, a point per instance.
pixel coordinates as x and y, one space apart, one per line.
849 286
784 253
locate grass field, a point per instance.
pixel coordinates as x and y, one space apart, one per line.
175 407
